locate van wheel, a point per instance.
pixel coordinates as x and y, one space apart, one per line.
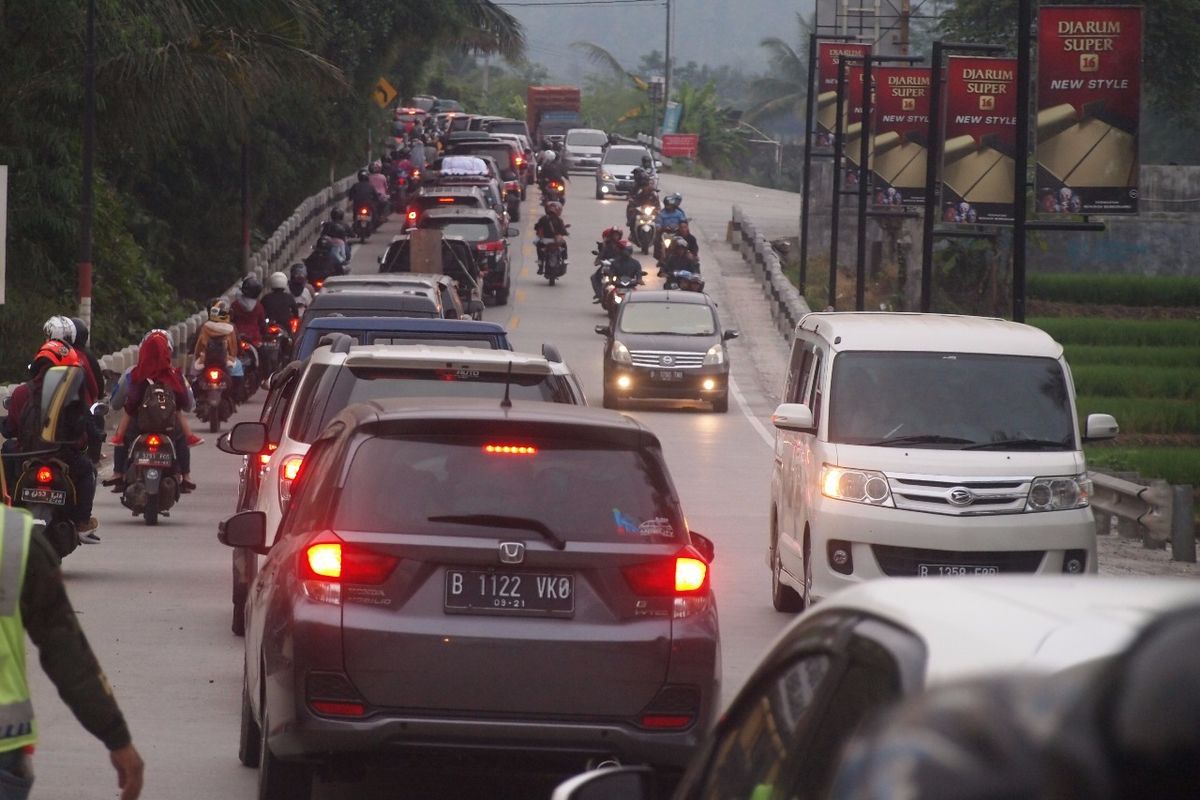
783 597
721 404
610 400
278 779
250 740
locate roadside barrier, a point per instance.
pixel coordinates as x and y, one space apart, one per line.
787 305
1157 514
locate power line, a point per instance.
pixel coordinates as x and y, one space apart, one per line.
536 3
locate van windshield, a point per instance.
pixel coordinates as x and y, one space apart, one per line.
950 401
587 139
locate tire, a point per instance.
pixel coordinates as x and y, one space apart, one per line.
721 404
501 296
150 512
552 279
281 780
599 195
250 738
238 626
645 249
610 400
214 421
784 598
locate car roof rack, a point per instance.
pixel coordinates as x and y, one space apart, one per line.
338 342
550 353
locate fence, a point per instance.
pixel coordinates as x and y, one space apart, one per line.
279 252
787 305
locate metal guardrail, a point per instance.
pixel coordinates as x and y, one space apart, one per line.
787 304
279 252
1157 514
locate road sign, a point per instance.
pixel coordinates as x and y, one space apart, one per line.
680 145
384 93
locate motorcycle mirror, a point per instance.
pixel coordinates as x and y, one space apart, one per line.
602 330
512 232
730 335
99 409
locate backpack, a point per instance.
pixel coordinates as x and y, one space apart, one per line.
157 411
215 352
29 426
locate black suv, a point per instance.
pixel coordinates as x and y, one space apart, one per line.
484 231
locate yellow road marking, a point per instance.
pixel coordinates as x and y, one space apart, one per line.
514 322
524 272
520 295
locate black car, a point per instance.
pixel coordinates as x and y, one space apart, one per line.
487 233
667 345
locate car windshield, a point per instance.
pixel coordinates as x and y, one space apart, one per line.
587 139
471 230
950 401
687 319
397 484
624 157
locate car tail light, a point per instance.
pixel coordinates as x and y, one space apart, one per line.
673 708
661 722
44 475
318 284
333 695
288 472
490 247
153 442
685 577
333 709
328 563
518 161
264 458
510 449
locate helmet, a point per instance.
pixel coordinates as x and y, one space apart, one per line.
362 175
612 233
647 162
251 287
554 207
672 200
278 281
548 156
298 270
54 353
81 332
60 328
638 173
376 166
157 332
218 310
337 215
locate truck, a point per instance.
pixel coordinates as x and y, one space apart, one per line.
551 111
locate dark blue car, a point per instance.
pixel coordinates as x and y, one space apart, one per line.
403 330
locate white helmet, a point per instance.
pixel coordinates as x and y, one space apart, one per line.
61 328
548 156
277 281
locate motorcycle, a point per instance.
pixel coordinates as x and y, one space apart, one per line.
553 265
323 261
46 490
214 399
554 192
248 355
663 241
615 289
151 477
643 228
364 219
276 348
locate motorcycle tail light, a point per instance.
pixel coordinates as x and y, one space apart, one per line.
318 284
364 211
214 375
153 441
412 216
274 329
44 475
416 174
294 324
245 346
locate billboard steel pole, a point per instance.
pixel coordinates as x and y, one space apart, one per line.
810 103
835 222
1020 173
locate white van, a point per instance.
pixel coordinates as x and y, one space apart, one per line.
583 148
926 445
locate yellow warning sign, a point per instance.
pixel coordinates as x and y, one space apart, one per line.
383 93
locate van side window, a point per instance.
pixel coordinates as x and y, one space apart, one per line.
802 353
813 391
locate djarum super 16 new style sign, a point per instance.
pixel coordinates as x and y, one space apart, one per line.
980 141
827 80
1089 103
901 122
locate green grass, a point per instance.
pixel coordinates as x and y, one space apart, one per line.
1173 464
1135 380
1124 290
1143 414
1079 355
1121 332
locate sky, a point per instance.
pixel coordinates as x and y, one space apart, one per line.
706 31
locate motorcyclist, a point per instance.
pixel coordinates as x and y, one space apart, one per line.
336 230
279 305
416 153
609 249
25 429
218 328
685 233
247 313
298 287
551 170
643 194
551 228
96 424
668 220
362 193
378 180
678 258
625 265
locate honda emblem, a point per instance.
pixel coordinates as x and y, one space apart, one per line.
512 552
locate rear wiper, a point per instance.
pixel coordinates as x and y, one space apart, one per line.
1007 444
501 521
918 438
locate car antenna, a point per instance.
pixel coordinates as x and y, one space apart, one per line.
507 401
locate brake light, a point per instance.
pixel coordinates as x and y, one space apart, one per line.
490 247
328 564
691 574
685 574
274 329
518 161
364 211
244 345
264 458
214 375
318 284
324 560
44 475
665 721
440 200
153 441
416 173
288 472
330 709
294 324
510 449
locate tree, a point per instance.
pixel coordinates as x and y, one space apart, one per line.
720 144
784 89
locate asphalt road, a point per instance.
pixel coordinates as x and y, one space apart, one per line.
155 602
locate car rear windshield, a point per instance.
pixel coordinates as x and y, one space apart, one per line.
624 157
351 385
580 493
687 319
471 230
501 126
587 139
950 401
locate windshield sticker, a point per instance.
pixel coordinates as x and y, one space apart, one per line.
659 526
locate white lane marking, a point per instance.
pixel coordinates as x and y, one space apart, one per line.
755 423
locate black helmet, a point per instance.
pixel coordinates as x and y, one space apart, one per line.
647 162
251 287
362 175
81 332
337 215
298 270
638 173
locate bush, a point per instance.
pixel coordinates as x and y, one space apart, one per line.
1144 415
1108 380
1117 290
1179 465
1085 354
1121 332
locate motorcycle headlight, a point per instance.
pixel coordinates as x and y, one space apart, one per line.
604 176
647 210
715 355
1059 493
620 354
856 485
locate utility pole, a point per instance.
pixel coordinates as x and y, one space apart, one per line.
905 19
87 208
667 69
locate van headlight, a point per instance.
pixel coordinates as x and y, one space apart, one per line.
620 354
604 176
715 355
1059 493
856 485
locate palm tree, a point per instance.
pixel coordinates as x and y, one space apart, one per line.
784 89
720 143
607 61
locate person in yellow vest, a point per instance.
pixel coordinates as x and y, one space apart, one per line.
33 600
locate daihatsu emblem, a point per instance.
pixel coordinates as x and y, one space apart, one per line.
512 552
961 496
667 361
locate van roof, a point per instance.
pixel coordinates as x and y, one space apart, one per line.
935 333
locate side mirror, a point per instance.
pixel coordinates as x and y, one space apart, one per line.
794 417
247 438
602 330
246 529
704 545
511 232
1100 427
379 260
727 335
610 783
658 164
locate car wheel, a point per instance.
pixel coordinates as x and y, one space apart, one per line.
599 195
501 296
250 740
611 400
278 779
721 404
783 597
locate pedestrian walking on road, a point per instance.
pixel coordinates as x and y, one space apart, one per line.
34 600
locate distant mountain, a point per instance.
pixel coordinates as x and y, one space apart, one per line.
710 32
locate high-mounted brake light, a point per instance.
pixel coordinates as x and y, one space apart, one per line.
510 449
44 475
440 200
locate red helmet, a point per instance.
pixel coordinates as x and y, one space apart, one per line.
53 354
612 233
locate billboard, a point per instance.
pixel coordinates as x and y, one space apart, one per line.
980 140
1088 109
827 73
680 145
901 123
